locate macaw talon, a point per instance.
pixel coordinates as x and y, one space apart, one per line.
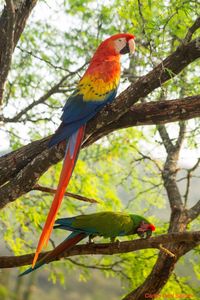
118 243
144 235
112 239
141 235
91 239
115 240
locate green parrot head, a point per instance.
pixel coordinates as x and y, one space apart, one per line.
144 228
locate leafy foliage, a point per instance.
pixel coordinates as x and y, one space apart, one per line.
123 170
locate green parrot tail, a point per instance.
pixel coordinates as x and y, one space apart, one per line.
30 270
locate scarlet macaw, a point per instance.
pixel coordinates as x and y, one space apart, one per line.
97 87
107 224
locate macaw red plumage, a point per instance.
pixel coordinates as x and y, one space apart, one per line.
97 87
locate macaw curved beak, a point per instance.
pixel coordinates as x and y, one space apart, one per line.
145 234
129 48
131 44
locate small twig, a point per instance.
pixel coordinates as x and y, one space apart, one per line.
42 59
182 129
55 89
38 187
191 31
165 138
166 251
189 174
149 41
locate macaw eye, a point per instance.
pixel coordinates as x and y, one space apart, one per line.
120 40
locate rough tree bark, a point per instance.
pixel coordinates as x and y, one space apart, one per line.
12 23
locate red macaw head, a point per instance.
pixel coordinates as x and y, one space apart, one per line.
117 44
123 43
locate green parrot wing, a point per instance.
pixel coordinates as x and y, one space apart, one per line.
107 224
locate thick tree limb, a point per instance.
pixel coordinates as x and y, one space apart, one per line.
109 248
150 113
22 160
32 172
18 159
140 114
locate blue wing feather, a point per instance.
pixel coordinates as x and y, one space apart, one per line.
78 112
69 224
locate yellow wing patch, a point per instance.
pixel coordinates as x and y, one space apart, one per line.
95 89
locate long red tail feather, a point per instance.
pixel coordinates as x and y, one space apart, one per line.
66 172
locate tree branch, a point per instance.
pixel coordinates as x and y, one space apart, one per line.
150 113
55 89
32 171
179 142
12 22
189 175
191 31
165 138
38 187
19 158
6 55
141 114
194 211
170 170
108 248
